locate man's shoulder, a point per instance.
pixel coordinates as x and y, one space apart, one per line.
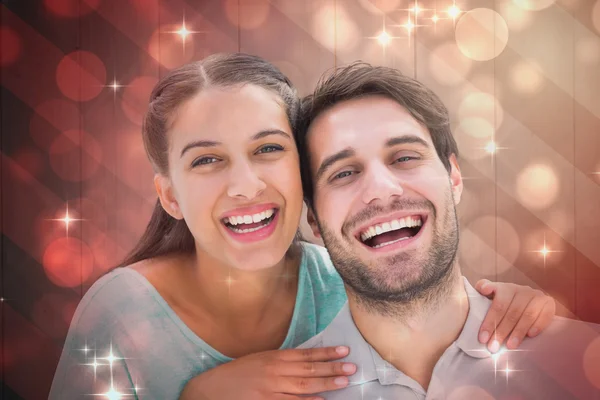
335 333
565 333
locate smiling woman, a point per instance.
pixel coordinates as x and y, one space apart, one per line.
219 288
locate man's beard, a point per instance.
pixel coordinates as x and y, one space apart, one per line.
397 283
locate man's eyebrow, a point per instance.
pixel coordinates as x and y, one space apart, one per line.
199 143
212 143
329 161
407 139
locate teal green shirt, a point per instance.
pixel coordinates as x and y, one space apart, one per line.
154 352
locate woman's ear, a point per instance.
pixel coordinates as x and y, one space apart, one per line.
166 195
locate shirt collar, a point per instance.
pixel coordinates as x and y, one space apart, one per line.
371 366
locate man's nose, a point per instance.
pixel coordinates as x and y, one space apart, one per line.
380 184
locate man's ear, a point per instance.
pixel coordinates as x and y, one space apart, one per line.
455 179
164 189
312 221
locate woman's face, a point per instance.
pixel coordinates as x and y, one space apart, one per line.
234 176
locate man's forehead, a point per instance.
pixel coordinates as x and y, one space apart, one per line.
360 122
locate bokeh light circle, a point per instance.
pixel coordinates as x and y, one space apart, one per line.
537 186
482 105
71 8
81 75
591 363
68 262
52 117
533 5
136 96
247 14
516 17
11 46
75 155
344 36
526 77
481 34
448 65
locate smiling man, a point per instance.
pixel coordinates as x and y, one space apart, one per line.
382 181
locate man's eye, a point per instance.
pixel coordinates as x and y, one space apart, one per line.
269 149
405 159
342 175
204 161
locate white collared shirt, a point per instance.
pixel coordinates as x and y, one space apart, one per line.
562 363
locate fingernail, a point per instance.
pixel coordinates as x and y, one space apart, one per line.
513 343
341 381
495 346
350 368
342 350
533 331
484 337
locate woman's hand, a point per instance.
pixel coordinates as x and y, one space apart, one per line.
515 310
277 374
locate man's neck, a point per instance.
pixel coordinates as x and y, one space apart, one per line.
415 336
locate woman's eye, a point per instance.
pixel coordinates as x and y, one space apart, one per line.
269 149
204 161
342 175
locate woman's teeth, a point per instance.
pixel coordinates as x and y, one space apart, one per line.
249 219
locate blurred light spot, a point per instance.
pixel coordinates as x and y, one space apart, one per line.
68 262
587 50
11 46
71 8
136 95
168 48
482 105
50 119
251 13
380 6
596 16
67 160
81 75
448 65
435 18
526 77
481 34
108 252
491 147
384 38
537 186
470 392
477 127
341 36
516 17
591 363
453 11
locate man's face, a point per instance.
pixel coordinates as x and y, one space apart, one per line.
384 202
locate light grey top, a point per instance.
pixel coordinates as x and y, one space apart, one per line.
562 363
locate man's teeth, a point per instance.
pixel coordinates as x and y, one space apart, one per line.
394 225
248 219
